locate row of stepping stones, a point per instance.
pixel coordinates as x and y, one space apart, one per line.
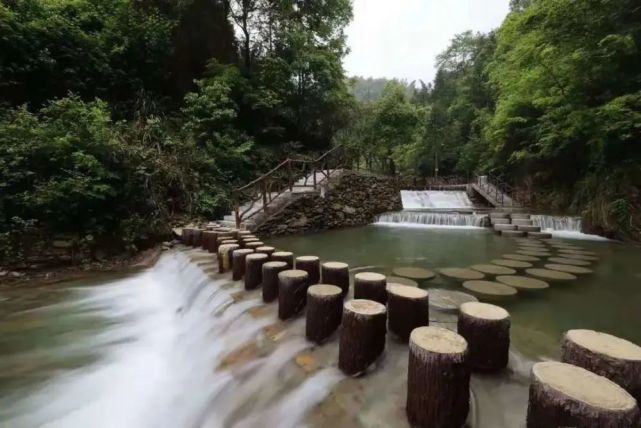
516 225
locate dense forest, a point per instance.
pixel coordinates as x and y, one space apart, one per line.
119 116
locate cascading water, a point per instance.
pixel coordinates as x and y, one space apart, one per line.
162 360
431 219
441 199
557 223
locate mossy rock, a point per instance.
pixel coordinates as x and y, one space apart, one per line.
580 270
415 273
514 264
522 282
521 258
551 275
565 261
490 290
463 274
492 269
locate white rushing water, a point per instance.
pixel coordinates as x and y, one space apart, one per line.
442 199
172 326
432 219
563 227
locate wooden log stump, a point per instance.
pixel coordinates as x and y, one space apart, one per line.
196 237
324 311
292 290
311 265
284 256
617 359
238 262
362 338
229 241
206 236
266 249
186 235
563 395
438 378
370 286
336 273
408 308
224 257
270 279
487 331
209 240
254 244
254 270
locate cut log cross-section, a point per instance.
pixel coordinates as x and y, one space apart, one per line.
617 359
254 270
370 286
311 265
196 237
363 330
292 290
284 256
186 235
336 273
224 257
266 249
324 311
238 262
270 280
487 331
438 378
208 236
408 308
564 395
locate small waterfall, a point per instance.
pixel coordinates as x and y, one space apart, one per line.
557 223
431 219
441 199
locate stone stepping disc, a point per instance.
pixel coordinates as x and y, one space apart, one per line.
523 282
493 269
461 273
579 257
448 300
401 281
584 252
533 248
568 268
414 273
564 261
490 289
565 246
515 264
534 253
521 258
552 275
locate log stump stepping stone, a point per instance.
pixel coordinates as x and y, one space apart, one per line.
564 395
324 311
579 257
612 357
363 330
336 273
580 270
238 262
487 331
493 269
534 253
292 291
461 274
415 273
524 283
448 300
284 256
407 309
521 257
370 286
311 265
490 290
254 270
266 249
551 275
254 244
438 378
514 264
513 233
270 279
224 257
565 261
402 281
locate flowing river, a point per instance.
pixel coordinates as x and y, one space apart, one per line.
177 346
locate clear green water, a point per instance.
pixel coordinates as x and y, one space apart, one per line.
607 300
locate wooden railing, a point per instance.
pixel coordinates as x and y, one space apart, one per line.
287 176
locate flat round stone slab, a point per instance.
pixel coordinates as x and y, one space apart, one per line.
605 344
584 252
448 300
534 253
461 273
583 386
553 275
523 282
493 269
490 289
402 281
521 257
564 261
414 273
568 268
515 264
579 257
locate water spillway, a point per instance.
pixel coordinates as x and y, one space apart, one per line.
439 199
427 218
557 223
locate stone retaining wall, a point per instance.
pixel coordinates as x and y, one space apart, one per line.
354 200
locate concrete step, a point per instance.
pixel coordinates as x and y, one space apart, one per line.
499 227
529 228
522 222
521 216
501 221
499 215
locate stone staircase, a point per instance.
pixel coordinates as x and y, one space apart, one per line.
516 225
